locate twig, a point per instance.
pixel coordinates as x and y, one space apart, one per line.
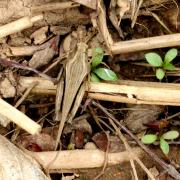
146 43
18 25
161 22
18 118
23 97
78 159
167 167
8 63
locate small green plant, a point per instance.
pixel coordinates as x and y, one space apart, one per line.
161 66
151 138
98 73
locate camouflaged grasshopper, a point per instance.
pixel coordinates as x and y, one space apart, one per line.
76 70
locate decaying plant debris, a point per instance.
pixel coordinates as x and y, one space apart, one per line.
61 121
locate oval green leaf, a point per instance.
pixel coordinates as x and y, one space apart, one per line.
94 78
164 146
154 59
160 73
149 138
169 67
106 74
171 135
170 55
97 56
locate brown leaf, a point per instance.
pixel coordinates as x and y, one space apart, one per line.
43 57
143 114
40 142
157 125
79 139
101 142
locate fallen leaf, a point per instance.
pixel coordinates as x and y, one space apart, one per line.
143 114
101 141
40 142
15 164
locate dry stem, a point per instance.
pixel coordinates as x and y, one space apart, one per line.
78 159
18 25
18 118
134 92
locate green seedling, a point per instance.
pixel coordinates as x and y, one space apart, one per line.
151 138
162 66
97 72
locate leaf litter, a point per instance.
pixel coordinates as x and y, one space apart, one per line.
68 42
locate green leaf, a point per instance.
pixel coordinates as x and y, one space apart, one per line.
106 74
97 57
154 59
164 146
171 135
149 138
170 55
160 73
169 67
94 78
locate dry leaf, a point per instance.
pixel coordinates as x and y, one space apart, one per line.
113 17
15 164
101 142
40 142
79 139
143 114
124 6
39 36
43 57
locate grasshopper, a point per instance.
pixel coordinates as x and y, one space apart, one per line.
76 70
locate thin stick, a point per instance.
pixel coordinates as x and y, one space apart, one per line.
18 118
167 167
23 97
